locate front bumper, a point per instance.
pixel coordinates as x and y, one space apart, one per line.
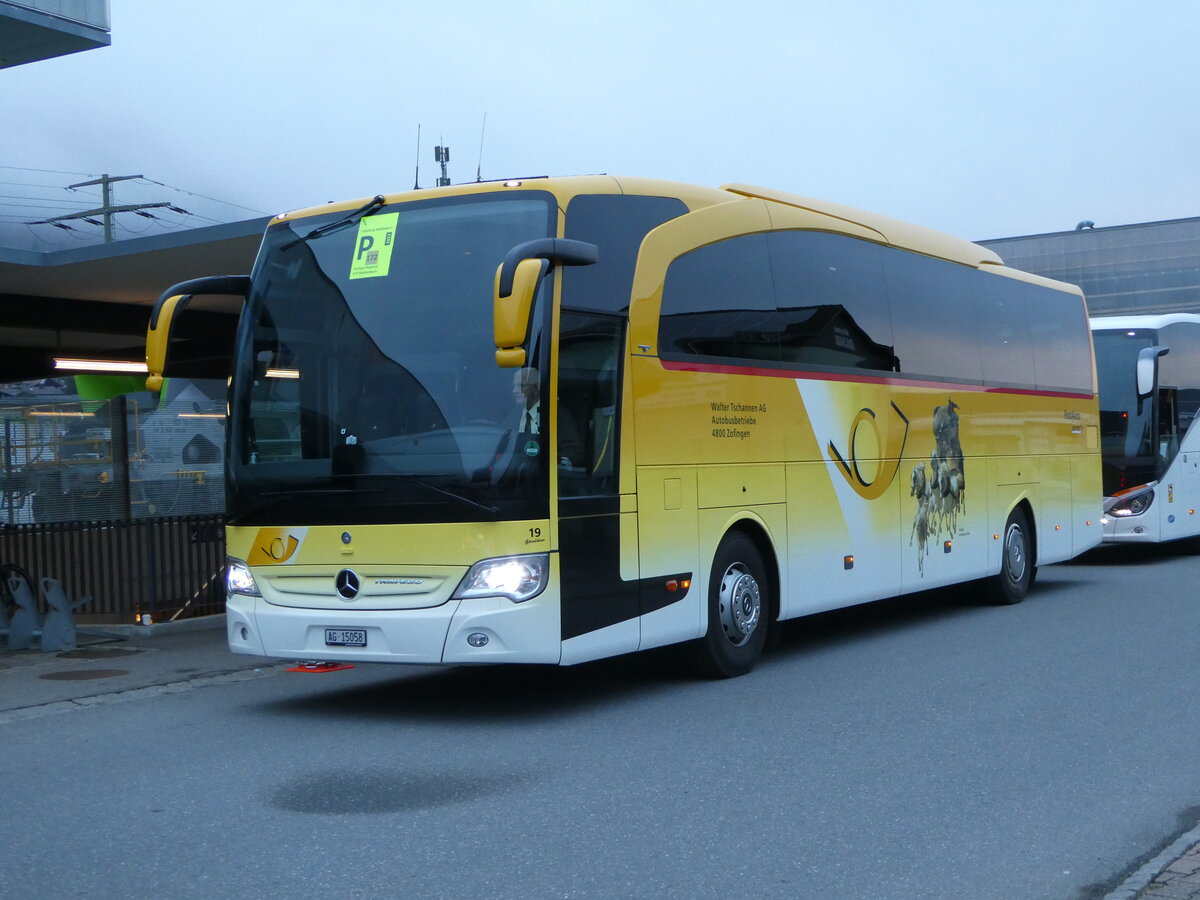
526 632
1128 530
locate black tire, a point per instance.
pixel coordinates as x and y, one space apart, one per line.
739 606
1016 562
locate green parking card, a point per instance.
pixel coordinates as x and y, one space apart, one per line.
373 246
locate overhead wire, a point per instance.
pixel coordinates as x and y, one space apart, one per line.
72 204
83 231
32 184
204 197
48 171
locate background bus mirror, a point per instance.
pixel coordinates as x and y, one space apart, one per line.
1147 370
166 313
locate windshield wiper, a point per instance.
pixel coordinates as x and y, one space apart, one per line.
271 498
493 510
337 224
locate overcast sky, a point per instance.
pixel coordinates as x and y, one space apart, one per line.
983 119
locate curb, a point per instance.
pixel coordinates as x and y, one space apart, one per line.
1142 878
56 707
159 629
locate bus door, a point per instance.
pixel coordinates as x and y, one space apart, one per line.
1187 405
1179 461
599 585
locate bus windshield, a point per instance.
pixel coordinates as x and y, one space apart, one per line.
366 388
1127 429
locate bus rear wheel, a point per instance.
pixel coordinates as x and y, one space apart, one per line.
1016 562
738 610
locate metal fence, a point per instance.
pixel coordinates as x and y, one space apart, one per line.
121 499
166 568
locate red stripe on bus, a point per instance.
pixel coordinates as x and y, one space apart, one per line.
675 365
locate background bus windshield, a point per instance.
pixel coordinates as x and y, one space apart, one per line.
366 387
1127 430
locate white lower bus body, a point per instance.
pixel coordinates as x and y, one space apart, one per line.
1173 512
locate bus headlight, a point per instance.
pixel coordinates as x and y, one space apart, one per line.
1133 503
518 578
238 579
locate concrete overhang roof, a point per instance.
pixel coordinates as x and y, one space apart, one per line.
30 35
96 300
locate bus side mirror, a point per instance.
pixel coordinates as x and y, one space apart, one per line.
510 313
517 281
166 312
1147 370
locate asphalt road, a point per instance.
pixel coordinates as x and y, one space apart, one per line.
923 747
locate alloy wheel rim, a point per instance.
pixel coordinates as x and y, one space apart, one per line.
1014 553
740 602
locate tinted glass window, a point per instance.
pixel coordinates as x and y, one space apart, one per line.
1059 330
719 301
1006 350
1180 368
933 317
832 307
590 348
616 223
349 402
842 302
1126 426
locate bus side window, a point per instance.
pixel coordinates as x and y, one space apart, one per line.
719 302
1005 344
588 397
1168 425
832 307
1188 400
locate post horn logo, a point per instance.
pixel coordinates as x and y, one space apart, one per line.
891 448
273 546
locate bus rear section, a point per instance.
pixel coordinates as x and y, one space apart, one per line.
875 408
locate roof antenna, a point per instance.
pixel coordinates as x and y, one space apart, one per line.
479 168
417 174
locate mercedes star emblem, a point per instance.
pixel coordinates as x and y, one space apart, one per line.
346 584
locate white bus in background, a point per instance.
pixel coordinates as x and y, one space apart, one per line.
1149 376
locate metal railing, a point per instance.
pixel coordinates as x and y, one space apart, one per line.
166 568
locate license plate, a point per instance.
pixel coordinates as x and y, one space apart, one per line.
345 637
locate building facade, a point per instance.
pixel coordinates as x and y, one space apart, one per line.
1152 267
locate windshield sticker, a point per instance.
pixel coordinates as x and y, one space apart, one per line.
373 246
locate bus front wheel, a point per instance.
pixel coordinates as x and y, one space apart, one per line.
1016 562
738 610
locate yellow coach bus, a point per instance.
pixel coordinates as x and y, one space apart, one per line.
558 419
